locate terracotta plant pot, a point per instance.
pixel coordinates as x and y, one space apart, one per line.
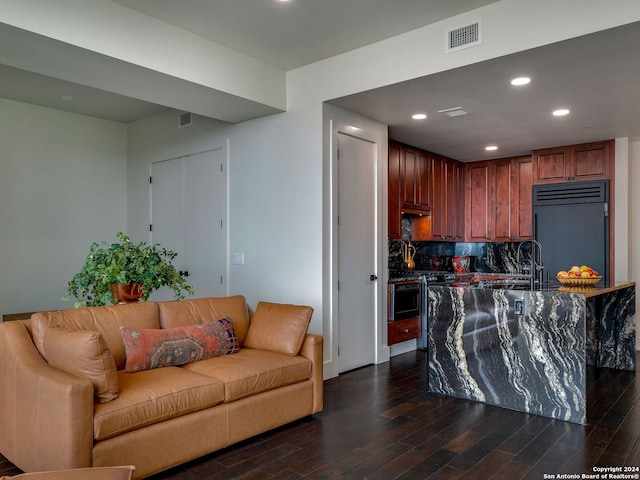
123 294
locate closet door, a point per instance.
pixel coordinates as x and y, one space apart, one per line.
189 216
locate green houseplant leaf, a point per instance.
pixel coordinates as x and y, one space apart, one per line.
148 265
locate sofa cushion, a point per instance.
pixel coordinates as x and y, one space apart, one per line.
85 354
155 348
278 327
253 371
153 396
106 320
204 310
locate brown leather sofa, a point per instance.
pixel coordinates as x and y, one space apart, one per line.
63 405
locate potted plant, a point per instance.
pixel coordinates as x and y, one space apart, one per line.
141 268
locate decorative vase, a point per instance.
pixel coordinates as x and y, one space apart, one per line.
124 294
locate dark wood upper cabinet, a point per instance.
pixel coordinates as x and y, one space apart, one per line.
447 206
484 201
393 194
479 199
573 163
522 218
409 186
415 181
498 200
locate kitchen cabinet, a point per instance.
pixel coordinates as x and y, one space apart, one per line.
403 330
446 202
573 163
408 185
498 200
514 184
393 194
479 194
415 181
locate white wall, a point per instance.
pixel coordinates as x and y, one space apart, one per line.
155 139
276 211
633 219
62 186
270 219
108 46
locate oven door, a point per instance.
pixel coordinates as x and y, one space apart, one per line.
404 299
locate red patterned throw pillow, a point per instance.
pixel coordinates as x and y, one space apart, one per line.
153 348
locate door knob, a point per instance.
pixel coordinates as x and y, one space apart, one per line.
373 278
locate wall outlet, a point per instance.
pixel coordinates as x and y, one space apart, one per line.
518 307
237 258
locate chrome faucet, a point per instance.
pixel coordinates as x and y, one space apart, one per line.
536 266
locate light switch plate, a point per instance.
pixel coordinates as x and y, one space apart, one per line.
237 258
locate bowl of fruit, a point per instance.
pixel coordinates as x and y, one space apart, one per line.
578 276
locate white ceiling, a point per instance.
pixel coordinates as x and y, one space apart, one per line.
596 76
299 32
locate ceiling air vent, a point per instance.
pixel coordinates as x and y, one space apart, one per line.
184 120
463 37
453 112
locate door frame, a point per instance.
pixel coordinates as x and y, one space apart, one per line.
338 121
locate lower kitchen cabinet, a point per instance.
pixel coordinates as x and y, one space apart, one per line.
403 330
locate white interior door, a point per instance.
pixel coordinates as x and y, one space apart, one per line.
357 213
189 216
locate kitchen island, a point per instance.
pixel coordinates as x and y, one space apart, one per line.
525 349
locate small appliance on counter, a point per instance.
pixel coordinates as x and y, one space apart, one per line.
463 264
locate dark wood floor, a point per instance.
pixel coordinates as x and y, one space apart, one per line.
380 422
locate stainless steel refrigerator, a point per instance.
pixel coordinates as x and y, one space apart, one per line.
571 221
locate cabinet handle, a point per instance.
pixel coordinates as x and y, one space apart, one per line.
406 330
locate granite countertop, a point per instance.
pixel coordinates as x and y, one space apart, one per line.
556 287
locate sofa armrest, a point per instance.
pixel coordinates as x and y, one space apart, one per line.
46 415
312 349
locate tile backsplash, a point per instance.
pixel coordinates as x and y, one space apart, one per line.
489 257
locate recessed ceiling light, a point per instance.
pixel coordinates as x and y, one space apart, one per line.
520 81
560 112
419 116
491 148
67 97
